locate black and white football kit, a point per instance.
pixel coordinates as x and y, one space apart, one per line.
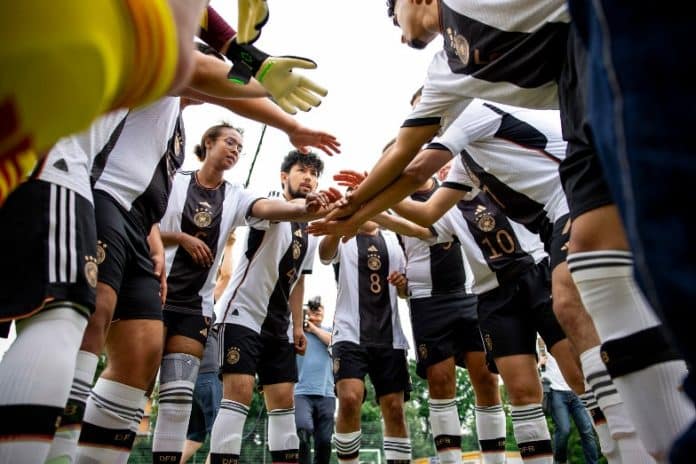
510 270
209 214
513 154
54 247
442 307
254 308
131 184
367 336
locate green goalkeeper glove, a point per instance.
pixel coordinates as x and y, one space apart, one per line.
291 91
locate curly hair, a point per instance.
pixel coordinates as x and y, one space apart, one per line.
311 159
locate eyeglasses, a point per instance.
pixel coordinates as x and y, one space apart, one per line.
232 144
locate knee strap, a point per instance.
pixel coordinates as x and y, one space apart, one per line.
637 351
179 366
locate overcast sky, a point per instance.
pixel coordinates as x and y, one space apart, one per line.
370 77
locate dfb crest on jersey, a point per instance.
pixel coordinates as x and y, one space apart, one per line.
101 251
232 356
484 220
91 271
373 260
296 249
459 44
203 218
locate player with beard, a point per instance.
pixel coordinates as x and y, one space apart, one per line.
203 208
254 311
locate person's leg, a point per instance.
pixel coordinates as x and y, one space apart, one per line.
519 373
190 448
118 394
601 267
226 436
444 417
45 347
305 426
323 428
397 444
178 373
561 419
350 393
583 423
490 416
239 349
282 434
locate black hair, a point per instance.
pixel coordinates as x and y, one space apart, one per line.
390 7
212 133
311 160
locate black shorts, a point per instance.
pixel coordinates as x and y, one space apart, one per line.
387 367
581 171
559 241
247 352
48 241
124 261
511 315
444 326
194 326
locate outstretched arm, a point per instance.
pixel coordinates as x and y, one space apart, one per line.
210 78
314 206
266 112
402 226
426 213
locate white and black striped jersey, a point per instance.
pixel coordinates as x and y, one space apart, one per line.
138 171
366 304
508 51
275 255
69 162
513 154
434 269
210 215
497 250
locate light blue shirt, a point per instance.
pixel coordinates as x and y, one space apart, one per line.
314 369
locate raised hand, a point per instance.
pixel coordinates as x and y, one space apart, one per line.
303 137
349 178
315 202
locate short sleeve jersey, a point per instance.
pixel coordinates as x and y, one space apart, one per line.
508 51
209 214
434 269
138 172
275 255
513 153
69 162
366 304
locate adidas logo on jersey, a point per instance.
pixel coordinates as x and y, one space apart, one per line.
372 248
235 312
61 165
